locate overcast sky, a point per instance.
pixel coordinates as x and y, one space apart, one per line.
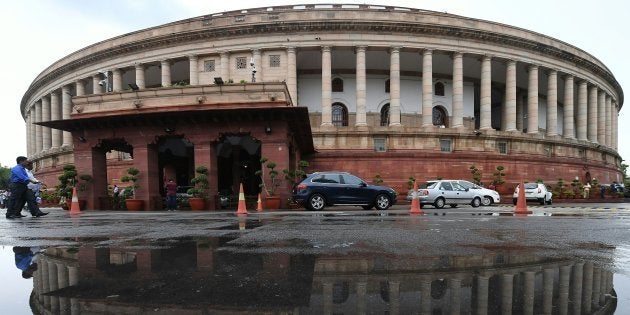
37 33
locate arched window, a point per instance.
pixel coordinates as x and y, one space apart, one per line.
339 115
439 116
439 89
385 115
337 85
387 86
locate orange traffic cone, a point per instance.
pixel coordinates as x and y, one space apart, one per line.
242 222
74 206
259 206
521 203
242 208
415 201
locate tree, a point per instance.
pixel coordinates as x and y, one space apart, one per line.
497 176
5 176
476 174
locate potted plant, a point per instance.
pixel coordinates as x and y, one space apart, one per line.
67 180
271 200
130 197
199 192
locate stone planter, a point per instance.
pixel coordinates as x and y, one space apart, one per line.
197 204
134 204
272 202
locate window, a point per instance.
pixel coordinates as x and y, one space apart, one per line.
274 61
446 186
582 154
502 147
445 145
439 116
379 144
339 115
208 65
351 180
439 89
548 150
337 85
387 86
385 115
241 63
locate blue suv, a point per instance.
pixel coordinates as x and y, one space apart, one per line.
324 189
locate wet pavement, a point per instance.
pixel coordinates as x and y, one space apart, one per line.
560 259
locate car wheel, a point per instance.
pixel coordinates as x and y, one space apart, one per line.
549 201
476 202
316 202
439 203
454 206
542 201
486 201
382 202
367 207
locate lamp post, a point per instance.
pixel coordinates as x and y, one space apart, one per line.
251 63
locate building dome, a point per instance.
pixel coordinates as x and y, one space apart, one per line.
373 90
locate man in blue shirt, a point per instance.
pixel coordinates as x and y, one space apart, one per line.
17 186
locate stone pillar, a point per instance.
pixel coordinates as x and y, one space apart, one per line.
116 80
603 286
427 88
482 294
528 292
394 297
548 275
532 100
597 282
394 86
292 74
563 289
552 103
96 87
361 297
582 110
256 54
458 90
204 151
510 96
615 123
520 108
55 111
507 289
326 86
361 119
485 98
592 114
73 275
66 110
43 264
568 130
225 66
166 73
146 160
455 302
27 127
62 275
327 296
79 86
53 285
601 117
140 81
608 126
193 69
39 130
46 132
32 136
587 289
425 295
576 288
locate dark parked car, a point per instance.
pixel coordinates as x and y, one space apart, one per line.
324 189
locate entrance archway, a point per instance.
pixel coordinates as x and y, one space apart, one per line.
238 160
175 161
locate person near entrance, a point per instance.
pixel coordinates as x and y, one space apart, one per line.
18 181
171 195
32 194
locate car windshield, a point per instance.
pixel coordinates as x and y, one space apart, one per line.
428 185
531 185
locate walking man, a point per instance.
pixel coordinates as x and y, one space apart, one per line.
18 181
32 193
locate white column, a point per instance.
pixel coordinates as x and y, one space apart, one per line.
576 288
394 86
53 286
552 103
140 81
27 126
563 289
425 295
66 110
601 117
46 133
592 114
582 110
73 275
615 123
609 120
256 54
520 112
507 291
427 88
96 87
292 74
361 297
326 87
116 80
32 135
80 87
225 66
361 89
532 100
166 73
568 130
55 114
597 283
62 275
528 292
394 297
455 285
587 291
482 294
39 130
510 96
193 69
548 275
458 90
327 297
485 98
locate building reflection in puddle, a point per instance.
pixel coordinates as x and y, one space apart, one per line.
193 275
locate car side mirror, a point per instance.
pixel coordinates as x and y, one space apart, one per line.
363 184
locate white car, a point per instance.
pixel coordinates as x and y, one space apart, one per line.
534 191
439 193
489 196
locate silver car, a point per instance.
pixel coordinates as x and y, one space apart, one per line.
489 196
446 192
